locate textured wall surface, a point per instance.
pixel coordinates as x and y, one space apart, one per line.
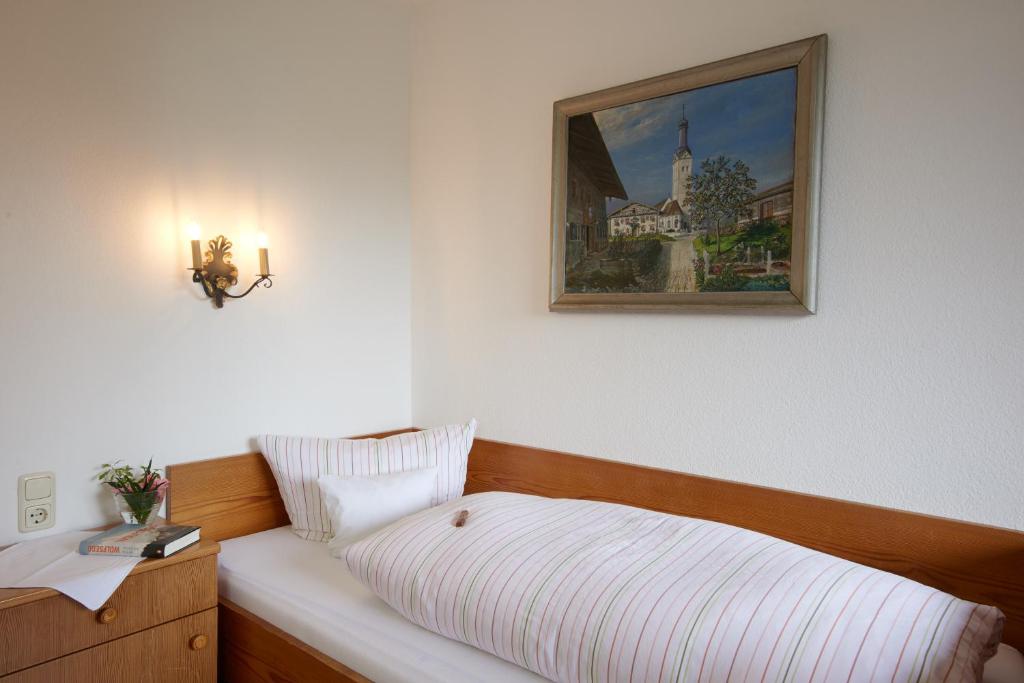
120 121
907 389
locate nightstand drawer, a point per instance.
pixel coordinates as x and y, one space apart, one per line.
182 651
56 626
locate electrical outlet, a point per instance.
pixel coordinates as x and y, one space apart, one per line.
37 501
38 517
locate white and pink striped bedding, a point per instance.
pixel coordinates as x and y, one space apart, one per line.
298 462
582 591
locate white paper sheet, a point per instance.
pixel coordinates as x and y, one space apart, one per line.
54 562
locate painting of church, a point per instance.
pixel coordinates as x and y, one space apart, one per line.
691 192
690 189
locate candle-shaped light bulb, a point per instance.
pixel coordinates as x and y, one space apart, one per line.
261 242
197 254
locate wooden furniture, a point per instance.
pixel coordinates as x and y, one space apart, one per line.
159 625
972 561
253 649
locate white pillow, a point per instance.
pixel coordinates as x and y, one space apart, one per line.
297 463
358 506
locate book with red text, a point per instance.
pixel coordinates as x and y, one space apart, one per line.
135 540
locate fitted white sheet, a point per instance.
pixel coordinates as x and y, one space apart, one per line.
297 586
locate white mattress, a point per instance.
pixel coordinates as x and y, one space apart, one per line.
297 586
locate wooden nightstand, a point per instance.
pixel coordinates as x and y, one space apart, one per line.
160 625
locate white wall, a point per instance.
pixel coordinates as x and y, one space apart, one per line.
907 389
121 120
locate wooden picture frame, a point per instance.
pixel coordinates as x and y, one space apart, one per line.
807 58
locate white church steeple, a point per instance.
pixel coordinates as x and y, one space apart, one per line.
682 165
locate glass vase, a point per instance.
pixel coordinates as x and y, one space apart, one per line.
140 508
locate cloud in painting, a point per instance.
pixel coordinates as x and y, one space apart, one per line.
632 123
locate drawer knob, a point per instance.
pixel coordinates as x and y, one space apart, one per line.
107 615
198 642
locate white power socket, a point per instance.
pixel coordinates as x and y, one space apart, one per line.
37 501
37 516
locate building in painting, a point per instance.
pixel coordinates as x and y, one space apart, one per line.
682 166
592 179
635 219
672 217
775 203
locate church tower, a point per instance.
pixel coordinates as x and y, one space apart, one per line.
682 166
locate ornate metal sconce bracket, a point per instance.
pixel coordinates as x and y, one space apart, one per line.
218 273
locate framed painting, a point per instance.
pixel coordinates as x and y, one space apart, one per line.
696 190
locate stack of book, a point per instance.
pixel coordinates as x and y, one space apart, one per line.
136 540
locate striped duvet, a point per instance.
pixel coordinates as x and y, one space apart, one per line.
582 591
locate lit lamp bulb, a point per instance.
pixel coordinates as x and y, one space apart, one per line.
261 242
197 254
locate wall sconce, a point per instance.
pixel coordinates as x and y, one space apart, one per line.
215 272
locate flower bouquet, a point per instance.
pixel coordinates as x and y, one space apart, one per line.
138 491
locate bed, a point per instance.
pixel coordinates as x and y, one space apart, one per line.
296 586
322 627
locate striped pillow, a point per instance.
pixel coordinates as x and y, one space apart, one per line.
577 590
297 463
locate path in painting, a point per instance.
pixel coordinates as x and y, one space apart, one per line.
681 276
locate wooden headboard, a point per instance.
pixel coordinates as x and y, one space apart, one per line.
237 495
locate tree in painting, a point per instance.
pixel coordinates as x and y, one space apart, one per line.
723 191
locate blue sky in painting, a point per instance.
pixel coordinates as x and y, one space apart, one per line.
750 119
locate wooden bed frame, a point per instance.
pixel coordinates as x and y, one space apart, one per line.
237 495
